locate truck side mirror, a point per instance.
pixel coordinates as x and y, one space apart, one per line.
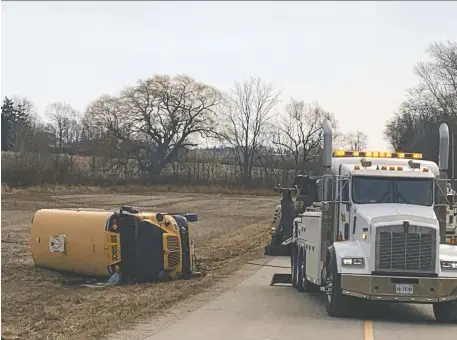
346 231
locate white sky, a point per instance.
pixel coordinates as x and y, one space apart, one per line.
354 58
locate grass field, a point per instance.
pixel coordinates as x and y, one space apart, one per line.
41 304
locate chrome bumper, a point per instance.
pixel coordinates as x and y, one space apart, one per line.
381 288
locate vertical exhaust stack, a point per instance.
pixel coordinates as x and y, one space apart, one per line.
328 144
443 157
443 162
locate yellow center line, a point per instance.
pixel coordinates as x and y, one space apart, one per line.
368 330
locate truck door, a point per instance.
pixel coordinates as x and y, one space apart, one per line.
344 212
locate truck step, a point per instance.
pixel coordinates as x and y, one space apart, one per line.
281 278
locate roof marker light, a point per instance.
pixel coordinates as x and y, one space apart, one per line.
377 154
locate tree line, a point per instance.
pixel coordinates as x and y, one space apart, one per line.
160 128
180 130
415 127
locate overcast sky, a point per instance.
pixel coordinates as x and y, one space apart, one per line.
355 58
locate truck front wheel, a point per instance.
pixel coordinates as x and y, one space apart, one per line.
336 302
445 312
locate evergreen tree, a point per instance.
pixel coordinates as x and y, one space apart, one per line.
7 124
15 122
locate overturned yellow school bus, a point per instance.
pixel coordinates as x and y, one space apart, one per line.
138 246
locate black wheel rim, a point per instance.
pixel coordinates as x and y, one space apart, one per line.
329 284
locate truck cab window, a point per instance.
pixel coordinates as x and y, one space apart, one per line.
417 191
371 190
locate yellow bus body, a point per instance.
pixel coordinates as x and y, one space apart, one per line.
99 243
87 244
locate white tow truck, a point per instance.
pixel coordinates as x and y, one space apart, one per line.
371 231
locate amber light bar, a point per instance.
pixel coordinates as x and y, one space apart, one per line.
377 154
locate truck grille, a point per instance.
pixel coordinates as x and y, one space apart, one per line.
174 255
413 251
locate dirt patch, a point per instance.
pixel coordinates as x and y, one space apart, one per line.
40 304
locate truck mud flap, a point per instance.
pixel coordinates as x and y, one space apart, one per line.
281 278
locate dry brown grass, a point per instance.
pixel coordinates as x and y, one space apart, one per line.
41 304
138 189
52 309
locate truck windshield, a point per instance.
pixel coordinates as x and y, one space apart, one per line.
418 191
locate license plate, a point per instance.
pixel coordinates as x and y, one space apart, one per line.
405 289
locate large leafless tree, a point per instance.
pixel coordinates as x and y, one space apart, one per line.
249 109
157 118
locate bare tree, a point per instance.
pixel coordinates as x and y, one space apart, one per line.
63 123
414 128
439 75
356 141
299 131
249 108
157 118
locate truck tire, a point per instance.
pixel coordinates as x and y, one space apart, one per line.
336 302
445 312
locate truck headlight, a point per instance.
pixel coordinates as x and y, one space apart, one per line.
449 265
353 261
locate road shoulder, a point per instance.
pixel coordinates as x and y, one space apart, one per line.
170 316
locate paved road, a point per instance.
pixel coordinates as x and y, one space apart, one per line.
254 310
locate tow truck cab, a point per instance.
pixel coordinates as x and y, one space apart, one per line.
374 233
